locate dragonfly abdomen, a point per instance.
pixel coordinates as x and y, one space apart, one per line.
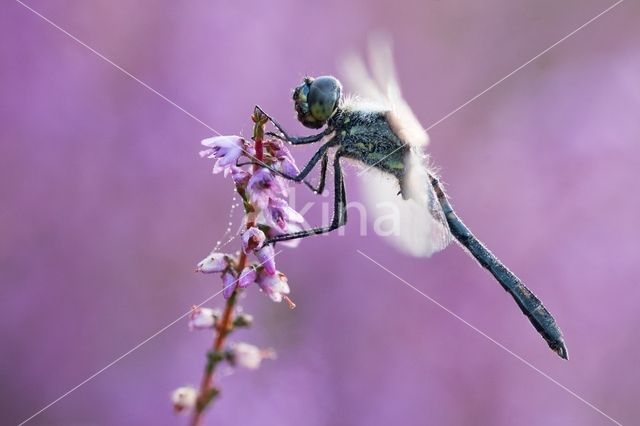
528 303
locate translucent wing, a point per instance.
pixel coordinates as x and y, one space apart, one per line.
405 123
414 222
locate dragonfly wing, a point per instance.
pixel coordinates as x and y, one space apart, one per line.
415 226
405 123
360 80
416 186
415 221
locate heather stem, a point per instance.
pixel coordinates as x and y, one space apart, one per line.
206 387
259 119
207 392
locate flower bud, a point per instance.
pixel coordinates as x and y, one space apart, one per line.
243 320
229 283
252 239
247 277
203 318
275 286
266 256
214 262
249 356
278 213
262 186
184 398
240 176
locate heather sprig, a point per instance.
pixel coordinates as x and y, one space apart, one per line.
267 213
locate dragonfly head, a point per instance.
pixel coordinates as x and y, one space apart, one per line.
317 100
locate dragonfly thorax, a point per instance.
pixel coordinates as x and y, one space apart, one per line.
366 136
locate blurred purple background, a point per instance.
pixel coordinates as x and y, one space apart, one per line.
105 207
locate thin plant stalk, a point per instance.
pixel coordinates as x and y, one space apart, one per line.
207 392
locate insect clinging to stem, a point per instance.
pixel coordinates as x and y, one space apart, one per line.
379 130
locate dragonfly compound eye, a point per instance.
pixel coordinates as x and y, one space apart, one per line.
316 100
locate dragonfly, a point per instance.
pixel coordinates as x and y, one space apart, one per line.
378 130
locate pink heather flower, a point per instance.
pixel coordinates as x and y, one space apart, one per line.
262 186
184 398
202 318
240 176
266 255
288 167
274 285
279 213
274 146
247 276
229 283
249 356
227 149
290 227
252 239
214 262
286 162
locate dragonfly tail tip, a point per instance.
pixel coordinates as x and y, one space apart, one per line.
561 349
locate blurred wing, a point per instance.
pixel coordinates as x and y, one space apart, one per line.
415 225
365 88
403 120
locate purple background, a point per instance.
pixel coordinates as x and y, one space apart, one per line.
105 207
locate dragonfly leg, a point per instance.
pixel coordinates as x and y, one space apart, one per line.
339 209
295 140
323 175
320 153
